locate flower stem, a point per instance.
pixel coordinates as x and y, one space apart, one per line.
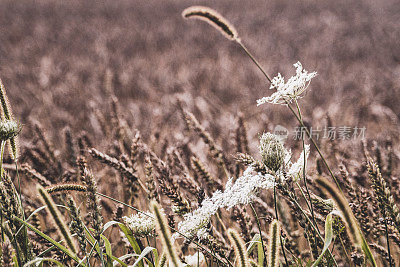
259 229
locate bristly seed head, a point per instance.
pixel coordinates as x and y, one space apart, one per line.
272 151
213 18
9 129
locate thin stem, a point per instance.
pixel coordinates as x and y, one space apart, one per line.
387 238
259 229
304 169
316 147
1 177
313 226
277 218
253 59
151 256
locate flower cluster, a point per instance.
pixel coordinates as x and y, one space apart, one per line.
9 129
140 224
240 192
273 153
292 89
245 188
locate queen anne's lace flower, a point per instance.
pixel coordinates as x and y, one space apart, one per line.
292 89
240 192
140 224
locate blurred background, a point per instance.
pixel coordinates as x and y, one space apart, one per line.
55 57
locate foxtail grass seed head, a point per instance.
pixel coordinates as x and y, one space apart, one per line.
57 217
213 18
291 90
140 224
9 129
274 244
7 114
163 231
240 248
65 187
162 261
272 151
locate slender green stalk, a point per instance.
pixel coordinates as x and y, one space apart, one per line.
165 234
259 228
353 228
304 169
277 218
316 147
387 239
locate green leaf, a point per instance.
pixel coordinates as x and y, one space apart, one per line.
39 262
129 235
120 259
256 241
109 224
49 239
145 251
107 245
328 238
367 251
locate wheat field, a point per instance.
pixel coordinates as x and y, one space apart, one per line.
199 133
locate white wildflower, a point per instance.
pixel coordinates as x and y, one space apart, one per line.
292 89
140 224
240 192
295 169
195 260
245 188
9 129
